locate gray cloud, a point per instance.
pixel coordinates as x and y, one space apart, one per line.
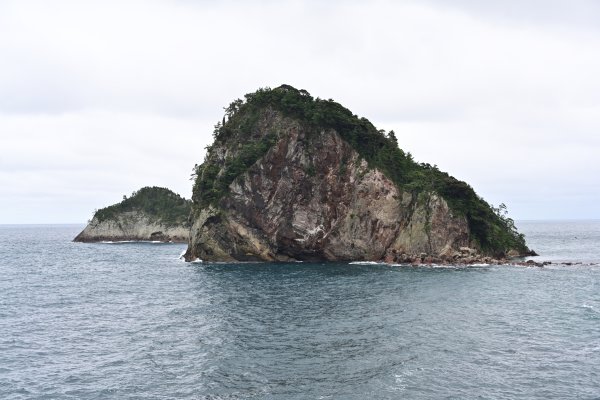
578 14
100 98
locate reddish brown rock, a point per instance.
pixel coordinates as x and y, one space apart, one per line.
310 199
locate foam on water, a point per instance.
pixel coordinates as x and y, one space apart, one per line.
590 308
366 263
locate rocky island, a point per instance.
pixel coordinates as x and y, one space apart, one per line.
293 178
150 214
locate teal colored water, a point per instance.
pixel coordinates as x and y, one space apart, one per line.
132 321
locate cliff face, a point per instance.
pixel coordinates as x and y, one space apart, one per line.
151 213
290 177
132 225
312 197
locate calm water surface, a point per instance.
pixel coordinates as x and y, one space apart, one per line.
131 321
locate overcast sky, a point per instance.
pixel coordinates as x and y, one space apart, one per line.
98 99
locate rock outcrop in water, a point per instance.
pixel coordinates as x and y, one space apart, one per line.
290 177
152 213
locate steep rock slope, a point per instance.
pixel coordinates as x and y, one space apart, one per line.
293 178
152 213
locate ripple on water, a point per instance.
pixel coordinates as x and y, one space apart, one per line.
133 321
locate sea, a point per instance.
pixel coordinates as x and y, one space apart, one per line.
133 321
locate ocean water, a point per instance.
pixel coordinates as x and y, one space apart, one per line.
132 321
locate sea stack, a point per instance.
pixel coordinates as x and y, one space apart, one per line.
294 178
150 214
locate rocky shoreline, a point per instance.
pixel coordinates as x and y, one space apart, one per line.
132 226
464 256
157 237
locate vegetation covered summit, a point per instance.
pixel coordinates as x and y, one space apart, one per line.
157 202
490 227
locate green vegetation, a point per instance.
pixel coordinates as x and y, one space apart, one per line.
158 202
490 227
212 186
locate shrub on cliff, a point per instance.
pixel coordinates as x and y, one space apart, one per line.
160 203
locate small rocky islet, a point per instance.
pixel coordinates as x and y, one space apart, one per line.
149 214
290 177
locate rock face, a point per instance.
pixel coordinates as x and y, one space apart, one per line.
150 214
313 198
293 178
132 225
